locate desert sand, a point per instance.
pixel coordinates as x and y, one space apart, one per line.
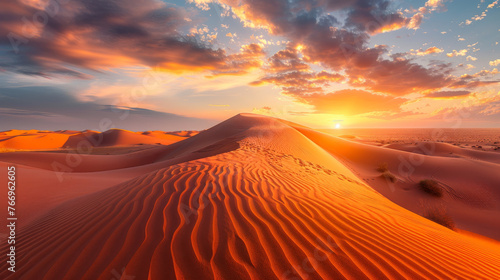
39 140
251 198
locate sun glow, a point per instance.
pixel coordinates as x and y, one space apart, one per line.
337 126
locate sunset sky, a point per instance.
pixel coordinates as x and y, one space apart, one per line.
142 65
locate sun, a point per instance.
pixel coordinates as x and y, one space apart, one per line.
337 126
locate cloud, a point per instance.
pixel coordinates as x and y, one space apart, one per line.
10 112
485 110
202 4
53 109
484 73
287 70
482 15
457 53
400 77
490 6
374 17
435 3
250 57
89 36
448 94
289 17
266 110
377 17
287 60
318 38
300 83
429 7
428 51
415 21
471 81
495 62
81 36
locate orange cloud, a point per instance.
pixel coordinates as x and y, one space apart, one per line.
299 83
400 77
100 37
287 60
249 57
429 7
483 73
430 50
495 62
434 3
457 53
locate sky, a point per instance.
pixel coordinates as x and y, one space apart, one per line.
173 65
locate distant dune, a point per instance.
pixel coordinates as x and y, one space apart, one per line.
39 140
251 198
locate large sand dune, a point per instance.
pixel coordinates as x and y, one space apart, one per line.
251 198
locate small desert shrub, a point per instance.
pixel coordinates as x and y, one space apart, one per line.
383 167
389 176
431 187
439 215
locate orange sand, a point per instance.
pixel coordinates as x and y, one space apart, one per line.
251 198
38 140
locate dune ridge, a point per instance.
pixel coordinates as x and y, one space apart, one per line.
275 206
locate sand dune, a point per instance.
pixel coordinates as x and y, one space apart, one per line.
119 137
43 140
34 140
447 150
251 198
470 183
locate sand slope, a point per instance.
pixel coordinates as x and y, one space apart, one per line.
471 183
32 140
275 206
447 150
39 140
